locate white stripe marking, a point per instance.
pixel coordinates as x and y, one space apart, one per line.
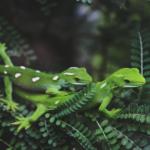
6 66
68 73
103 85
35 79
73 68
38 71
56 102
55 77
5 72
23 67
17 75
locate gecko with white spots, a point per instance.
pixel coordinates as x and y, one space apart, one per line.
48 91
40 81
45 90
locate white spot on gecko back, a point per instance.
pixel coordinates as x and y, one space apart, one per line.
79 83
5 72
55 77
38 71
56 102
68 73
35 79
6 66
17 75
23 67
103 85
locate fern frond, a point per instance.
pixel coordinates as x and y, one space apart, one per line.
136 113
140 57
85 1
136 108
77 102
14 40
45 6
82 134
141 118
135 131
135 128
140 52
49 133
114 138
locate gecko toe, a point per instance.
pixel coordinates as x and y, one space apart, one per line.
22 123
10 105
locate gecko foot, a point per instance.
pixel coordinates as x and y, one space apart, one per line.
114 113
10 105
22 123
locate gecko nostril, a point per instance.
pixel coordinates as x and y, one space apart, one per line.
127 81
77 79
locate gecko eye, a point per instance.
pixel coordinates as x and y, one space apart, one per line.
127 81
77 79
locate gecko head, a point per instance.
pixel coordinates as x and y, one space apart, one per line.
130 77
77 76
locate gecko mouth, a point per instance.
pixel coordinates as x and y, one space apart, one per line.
132 85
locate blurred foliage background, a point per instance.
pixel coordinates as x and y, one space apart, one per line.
52 35
65 33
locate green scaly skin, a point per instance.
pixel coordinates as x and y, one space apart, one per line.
49 87
11 105
123 78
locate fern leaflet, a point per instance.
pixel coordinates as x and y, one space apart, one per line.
77 102
140 58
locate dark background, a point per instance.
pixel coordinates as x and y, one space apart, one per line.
64 33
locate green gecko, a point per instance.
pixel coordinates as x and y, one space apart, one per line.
123 78
46 86
42 82
49 88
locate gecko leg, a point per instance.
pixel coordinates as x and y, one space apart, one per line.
55 90
4 55
25 122
11 105
103 107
